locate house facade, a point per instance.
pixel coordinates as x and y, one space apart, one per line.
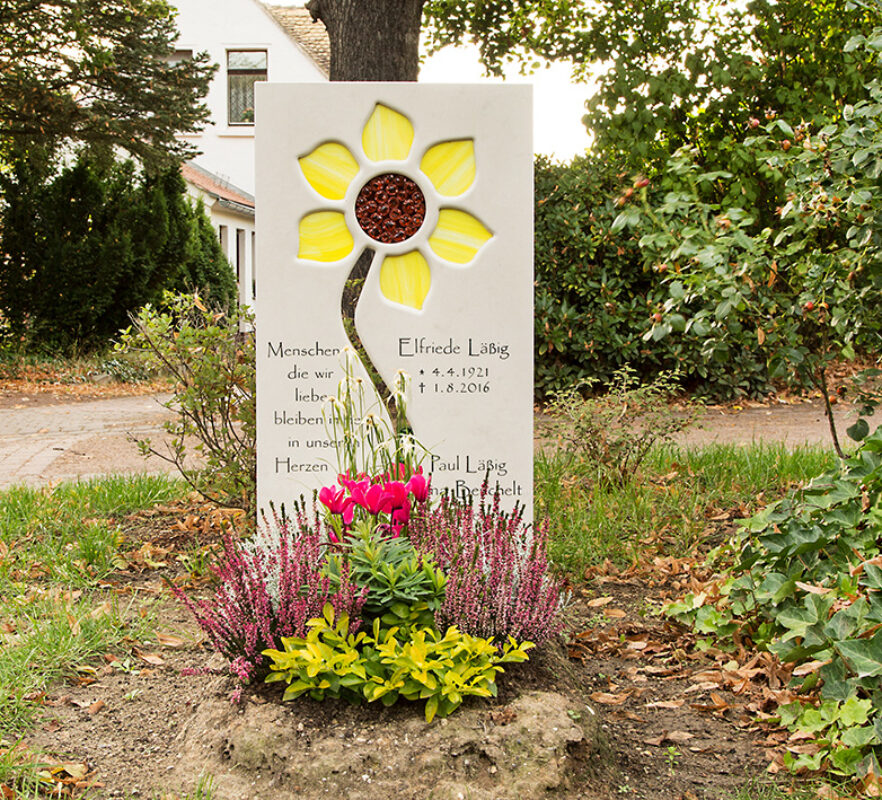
250 42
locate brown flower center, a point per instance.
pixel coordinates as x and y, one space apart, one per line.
390 208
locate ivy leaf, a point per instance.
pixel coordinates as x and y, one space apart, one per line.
863 655
855 711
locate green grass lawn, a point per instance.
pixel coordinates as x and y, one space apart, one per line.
671 498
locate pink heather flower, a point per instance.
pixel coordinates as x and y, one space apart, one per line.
499 581
418 486
266 593
242 669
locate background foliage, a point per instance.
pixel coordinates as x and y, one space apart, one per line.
82 249
596 297
706 161
98 73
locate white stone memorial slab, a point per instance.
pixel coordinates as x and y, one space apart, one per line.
449 295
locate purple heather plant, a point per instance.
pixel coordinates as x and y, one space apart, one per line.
271 591
498 580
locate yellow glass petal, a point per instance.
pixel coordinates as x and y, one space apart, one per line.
329 169
387 135
450 166
458 236
324 237
406 279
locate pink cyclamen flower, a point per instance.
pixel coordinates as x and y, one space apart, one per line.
418 486
374 499
398 494
401 516
338 502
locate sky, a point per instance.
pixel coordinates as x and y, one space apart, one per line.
558 103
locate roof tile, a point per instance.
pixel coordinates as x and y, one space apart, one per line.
311 36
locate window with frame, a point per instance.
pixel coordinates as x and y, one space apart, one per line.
244 69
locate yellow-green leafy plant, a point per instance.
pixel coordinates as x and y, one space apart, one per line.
423 664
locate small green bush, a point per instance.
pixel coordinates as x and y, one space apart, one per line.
209 354
610 435
422 665
398 579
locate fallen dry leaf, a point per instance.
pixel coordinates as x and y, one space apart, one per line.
666 704
74 771
701 687
629 715
597 602
503 716
812 589
871 785
96 706
169 640
809 667
609 699
615 613
151 658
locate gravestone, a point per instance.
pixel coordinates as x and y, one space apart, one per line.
432 186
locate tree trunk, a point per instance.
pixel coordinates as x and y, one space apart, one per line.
372 40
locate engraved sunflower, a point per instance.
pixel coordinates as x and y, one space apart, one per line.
392 203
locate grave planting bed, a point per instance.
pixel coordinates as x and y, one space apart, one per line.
635 712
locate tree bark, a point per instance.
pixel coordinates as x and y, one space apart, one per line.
372 40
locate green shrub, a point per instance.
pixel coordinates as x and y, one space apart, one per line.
400 582
211 361
595 297
84 248
422 665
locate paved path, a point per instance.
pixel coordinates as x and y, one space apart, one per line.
42 443
796 424
67 440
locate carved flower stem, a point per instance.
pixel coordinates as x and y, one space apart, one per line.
352 290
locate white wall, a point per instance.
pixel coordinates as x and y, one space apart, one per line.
235 233
217 26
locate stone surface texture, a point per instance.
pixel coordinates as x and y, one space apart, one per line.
533 747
